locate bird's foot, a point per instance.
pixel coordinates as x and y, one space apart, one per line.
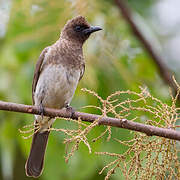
41 108
70 110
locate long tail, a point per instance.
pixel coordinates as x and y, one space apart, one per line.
35 161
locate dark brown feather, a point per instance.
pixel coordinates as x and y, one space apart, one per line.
38 71
35 161
82 70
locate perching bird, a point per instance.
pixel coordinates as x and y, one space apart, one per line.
57 73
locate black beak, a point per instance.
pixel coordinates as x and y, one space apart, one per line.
91 29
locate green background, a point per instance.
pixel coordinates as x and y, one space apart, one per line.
115 60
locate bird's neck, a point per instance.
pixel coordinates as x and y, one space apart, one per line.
71 43
71 52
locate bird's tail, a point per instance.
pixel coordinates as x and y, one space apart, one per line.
35 161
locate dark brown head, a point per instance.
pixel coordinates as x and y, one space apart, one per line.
78 30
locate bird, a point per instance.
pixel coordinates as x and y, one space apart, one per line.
58 70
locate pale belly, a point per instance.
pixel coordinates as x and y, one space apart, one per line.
56 86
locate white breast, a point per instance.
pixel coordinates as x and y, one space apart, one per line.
56 86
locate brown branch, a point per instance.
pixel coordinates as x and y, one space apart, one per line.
163 69
121 123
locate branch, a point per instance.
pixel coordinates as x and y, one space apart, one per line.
120 123
163 69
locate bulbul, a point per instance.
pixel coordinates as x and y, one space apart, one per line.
57 73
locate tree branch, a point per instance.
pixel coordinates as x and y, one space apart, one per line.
121 123
163 69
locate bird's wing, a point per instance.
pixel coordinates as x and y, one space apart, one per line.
82 71
37 71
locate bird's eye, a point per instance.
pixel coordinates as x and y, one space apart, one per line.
78 28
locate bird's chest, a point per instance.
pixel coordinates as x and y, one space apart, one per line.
56 86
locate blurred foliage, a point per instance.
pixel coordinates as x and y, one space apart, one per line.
115 61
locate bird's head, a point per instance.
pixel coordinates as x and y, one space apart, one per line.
78 30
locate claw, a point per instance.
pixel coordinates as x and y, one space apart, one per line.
71 110
41 110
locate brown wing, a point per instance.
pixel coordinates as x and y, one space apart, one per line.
82 71
37 71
